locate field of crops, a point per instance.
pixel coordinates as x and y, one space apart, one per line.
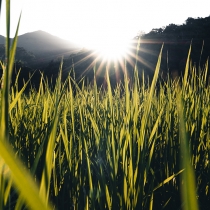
132 146
128 147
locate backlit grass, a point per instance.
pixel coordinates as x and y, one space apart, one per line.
110 148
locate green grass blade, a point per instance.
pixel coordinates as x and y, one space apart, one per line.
167 180
187 68
46 174
21 178
18 95
10 55
188 187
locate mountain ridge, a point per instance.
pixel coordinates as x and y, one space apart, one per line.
44 46
34 41
40 37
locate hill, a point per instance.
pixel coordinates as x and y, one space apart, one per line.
43 42
22 56
44 46
177 40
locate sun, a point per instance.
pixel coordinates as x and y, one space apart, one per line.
105 27
107 38
110 48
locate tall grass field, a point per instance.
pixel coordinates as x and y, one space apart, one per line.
132 146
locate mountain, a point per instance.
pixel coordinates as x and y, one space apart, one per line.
44 46
22 56
34 51
177 39
42 42
2 39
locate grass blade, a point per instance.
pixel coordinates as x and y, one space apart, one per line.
26 186
188 187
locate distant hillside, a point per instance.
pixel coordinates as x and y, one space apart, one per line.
40 41
44 46
22 56
177 40
2 39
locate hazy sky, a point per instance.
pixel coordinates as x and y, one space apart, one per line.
85 20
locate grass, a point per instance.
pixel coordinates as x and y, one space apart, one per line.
130 147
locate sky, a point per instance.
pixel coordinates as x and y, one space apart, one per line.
88 21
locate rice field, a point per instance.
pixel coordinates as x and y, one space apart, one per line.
94 148
130 147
